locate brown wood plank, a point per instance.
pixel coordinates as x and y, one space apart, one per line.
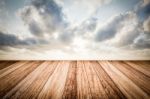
12 79
127 87
54 87
75 79
6 64
147 63
141 67
18 90
2 64
70 90
36 86
11 68
141 80
109 87
83 88
96 88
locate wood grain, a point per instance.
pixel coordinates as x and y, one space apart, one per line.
74 79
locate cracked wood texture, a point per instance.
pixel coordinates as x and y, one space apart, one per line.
74 79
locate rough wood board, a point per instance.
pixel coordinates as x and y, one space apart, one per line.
75 80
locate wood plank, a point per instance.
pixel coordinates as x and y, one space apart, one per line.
11 68
75 80
127 87
70 90
18 90
141 80
54 87
109 87
11 80
6 64
83 88
97 90
35 88
140 66
3 63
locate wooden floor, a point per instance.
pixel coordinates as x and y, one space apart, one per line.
75 80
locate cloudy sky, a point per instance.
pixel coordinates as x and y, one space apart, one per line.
75 29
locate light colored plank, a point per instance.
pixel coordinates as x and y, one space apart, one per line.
140 67
35 88
137 77
110 90
54 87
75 80
128 88
11 68
83 88
96 88
13 78
70 90
18 90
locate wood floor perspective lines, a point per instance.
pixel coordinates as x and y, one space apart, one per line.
74 79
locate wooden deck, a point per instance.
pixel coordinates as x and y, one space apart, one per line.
75 80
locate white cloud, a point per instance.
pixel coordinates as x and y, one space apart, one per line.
128 32
125 31
78 11
146 25
13 40
42 18
69 28
142 41
110 28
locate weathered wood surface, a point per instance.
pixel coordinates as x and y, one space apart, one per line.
75 80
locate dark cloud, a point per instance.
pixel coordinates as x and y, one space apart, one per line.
143 41
139 37
43 16
66 37
110 29
128 38
12 40
143 11
49 7
35 28
128 29
86 29
80 31
89 25
146 25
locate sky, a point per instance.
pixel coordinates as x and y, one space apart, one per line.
74 29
